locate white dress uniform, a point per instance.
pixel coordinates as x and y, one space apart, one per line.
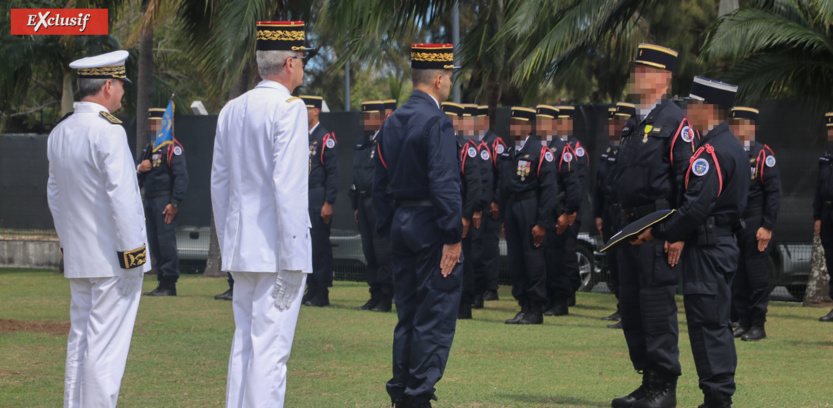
94 199
259 180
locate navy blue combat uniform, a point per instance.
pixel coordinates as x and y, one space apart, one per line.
580 167
560 249
375 246
486 243
750 288
823 207
323 187
528 192
417 164
164 184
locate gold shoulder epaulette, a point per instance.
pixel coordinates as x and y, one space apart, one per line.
110 118
294 98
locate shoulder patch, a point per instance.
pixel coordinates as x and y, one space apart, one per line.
294 98
580 151
548 156
484 154
700 167
770 161
110 118
177 150
685 134
567 157
499 149
472 152
331 143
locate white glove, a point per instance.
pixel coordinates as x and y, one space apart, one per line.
287 286
130 281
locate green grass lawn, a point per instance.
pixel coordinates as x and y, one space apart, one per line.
341 357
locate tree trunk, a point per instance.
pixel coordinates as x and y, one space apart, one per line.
144 88
817 285
214 263
67 95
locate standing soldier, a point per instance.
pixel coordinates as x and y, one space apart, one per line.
164 178
486 244
259 195
651 165
94 199
323 189
823 206
557 251
472 187
375 246
713 197
605 207
750 287
416 162
528 192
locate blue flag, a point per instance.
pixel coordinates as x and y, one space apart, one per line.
166 134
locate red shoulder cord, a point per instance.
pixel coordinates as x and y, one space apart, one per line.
567 149
463 155
379 151
586 156
683 123
710 150
761 160
494 149
171 150
328 136
541 159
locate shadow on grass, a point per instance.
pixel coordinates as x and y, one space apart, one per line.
555 400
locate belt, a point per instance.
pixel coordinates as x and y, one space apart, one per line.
364 194
522 196
753 212
414 203
156 194
634 213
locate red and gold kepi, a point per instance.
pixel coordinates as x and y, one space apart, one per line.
432 56
281 36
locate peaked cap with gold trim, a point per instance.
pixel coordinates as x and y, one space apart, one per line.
432 56
281 36
104 66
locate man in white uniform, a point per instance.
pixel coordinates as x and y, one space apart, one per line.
259 180
94 198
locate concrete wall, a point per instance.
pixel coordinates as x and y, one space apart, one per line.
38 254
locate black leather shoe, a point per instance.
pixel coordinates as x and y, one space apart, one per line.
478 302
227 295
615 317
663 393
400 403
756 332
740 331
464 312
628 400
532 317
384 305
307 296
518 317
827 318
318 301
557 310
370 304
490 295
571 301
617 325
160 291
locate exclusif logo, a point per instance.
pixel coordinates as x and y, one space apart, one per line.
59 22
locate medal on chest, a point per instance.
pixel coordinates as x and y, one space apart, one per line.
523 169
648 129
157 159
753 164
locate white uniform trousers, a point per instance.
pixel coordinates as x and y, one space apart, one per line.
101 326
262 342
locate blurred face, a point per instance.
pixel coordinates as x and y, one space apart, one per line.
468 125
371 122
830 134
703 116
154 127
744 129
564 127
614 127
646 81
312 116
545 127
455 121
519 129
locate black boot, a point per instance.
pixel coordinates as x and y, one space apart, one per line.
165 288
756 332
571 301
320 300
478 302
227 295
400 403
615 317
627 401
740 331
383 305
464 312
663 393
370 304
716 402
827 318
617 325
518 317
490 295
558 309
534 316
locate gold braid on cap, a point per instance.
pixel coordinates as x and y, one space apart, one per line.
432 56
116 71
280 35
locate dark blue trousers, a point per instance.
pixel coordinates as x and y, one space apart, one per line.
485 250
321 279
162 239
750 286
525 259
376 250
426 303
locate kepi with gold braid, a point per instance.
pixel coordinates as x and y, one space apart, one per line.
104 66
546 111
483 110
452 109
656 56
373 106
743 112
133 258
312 101
566 111
156 113
828 119
522 113
281 36
390 104
432 56
625 109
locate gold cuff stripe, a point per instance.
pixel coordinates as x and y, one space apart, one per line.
133 258
280 35
432 56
